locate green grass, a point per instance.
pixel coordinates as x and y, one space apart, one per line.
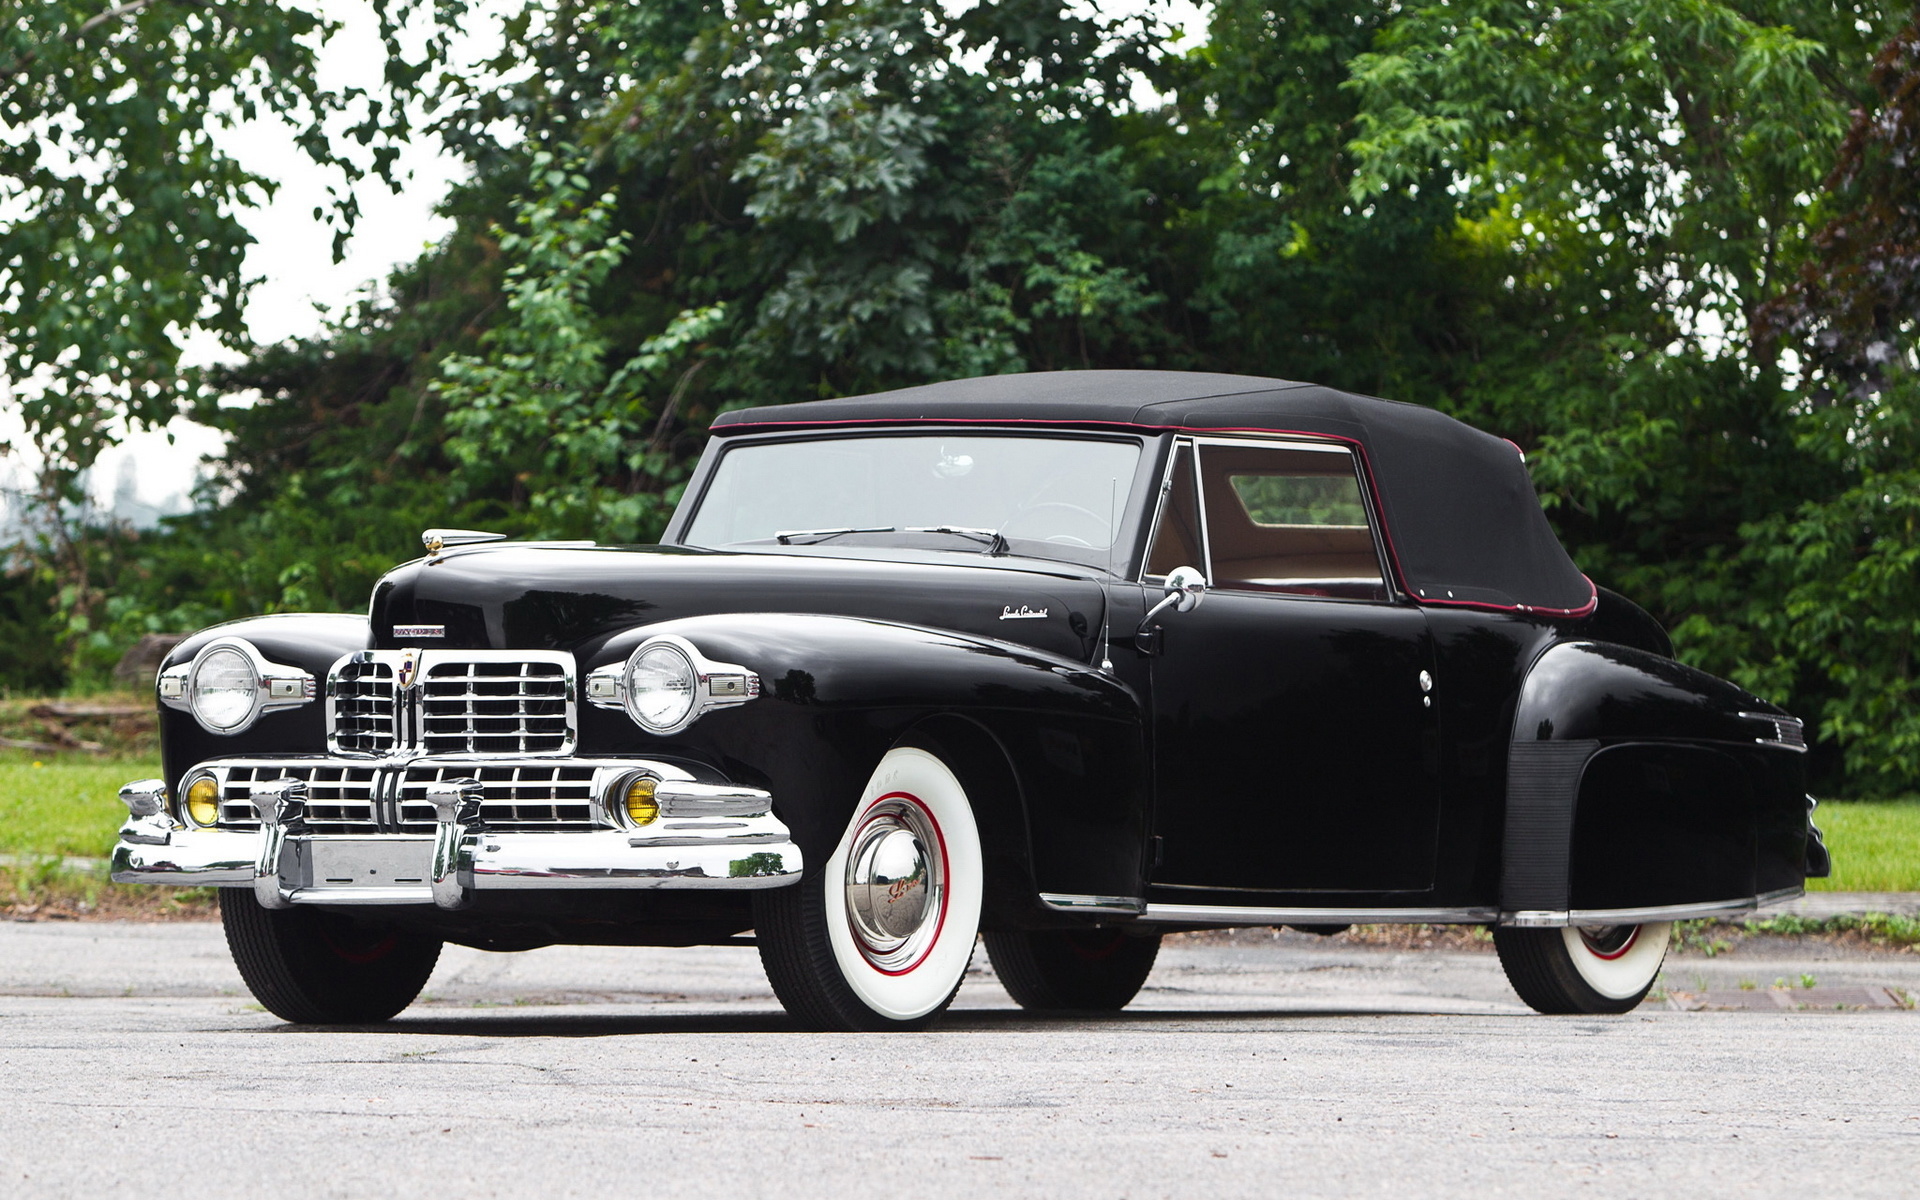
68 808
65 807
52 809
1875 845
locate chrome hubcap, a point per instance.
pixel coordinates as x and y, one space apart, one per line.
1610 941
895 885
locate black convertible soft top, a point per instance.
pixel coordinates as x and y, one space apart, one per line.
1460 515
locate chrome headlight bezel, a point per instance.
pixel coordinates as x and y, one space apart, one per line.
275 685
715 684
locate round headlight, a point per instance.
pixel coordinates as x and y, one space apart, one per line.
661 687
225 690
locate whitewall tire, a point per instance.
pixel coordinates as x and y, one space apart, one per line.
1575 970
881 936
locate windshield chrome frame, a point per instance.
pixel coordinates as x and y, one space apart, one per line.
1131 514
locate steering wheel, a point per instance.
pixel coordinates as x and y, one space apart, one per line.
1095 524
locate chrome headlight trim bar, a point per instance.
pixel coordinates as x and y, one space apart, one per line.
715 684
277 686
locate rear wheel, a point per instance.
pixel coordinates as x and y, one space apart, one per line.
311 966
1605 969
880 937
1097 970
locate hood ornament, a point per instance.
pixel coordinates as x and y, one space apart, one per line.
436 540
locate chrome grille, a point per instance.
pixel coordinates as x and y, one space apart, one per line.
511 707
339 797
360 706
356 798
519 797
466 702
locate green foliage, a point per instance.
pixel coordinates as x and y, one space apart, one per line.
123 233
1881 929
1640 237
538 413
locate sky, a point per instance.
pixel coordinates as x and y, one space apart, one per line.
152 473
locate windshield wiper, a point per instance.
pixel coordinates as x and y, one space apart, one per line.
785 536
995 543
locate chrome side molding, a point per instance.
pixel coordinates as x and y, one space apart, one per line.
1074 902
1547 919
1224 914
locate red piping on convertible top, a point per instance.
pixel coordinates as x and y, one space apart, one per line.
1359 448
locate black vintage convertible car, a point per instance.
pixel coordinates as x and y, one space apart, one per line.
1068 660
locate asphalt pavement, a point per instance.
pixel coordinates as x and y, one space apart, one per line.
133 1062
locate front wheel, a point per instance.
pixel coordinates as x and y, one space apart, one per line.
1607 969
1089 970
315 967
880 937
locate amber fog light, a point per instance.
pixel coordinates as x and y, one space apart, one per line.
203 801
642 808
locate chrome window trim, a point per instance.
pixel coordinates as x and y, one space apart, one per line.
1382 560
1162 495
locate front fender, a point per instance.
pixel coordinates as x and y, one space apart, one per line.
838 692
1634 781
311 641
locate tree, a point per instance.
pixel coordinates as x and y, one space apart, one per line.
1832 609
122 235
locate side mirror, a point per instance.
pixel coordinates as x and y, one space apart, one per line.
1186 587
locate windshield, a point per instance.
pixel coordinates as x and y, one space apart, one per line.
1047 497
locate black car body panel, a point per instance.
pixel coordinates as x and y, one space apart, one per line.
1446 722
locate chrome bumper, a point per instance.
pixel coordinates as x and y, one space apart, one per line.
286 866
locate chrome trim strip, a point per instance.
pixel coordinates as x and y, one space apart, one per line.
1222 914
1535 918
1789 733
1073 902
511 861
1652 912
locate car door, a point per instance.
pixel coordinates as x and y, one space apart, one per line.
1296 739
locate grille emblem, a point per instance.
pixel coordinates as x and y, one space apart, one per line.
409 670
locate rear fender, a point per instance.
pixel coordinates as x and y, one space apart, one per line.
1634 781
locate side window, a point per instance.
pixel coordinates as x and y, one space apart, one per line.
1282 519
1177 542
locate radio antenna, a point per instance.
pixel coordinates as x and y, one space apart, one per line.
1106 599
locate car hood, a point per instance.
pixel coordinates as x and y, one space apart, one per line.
530 596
